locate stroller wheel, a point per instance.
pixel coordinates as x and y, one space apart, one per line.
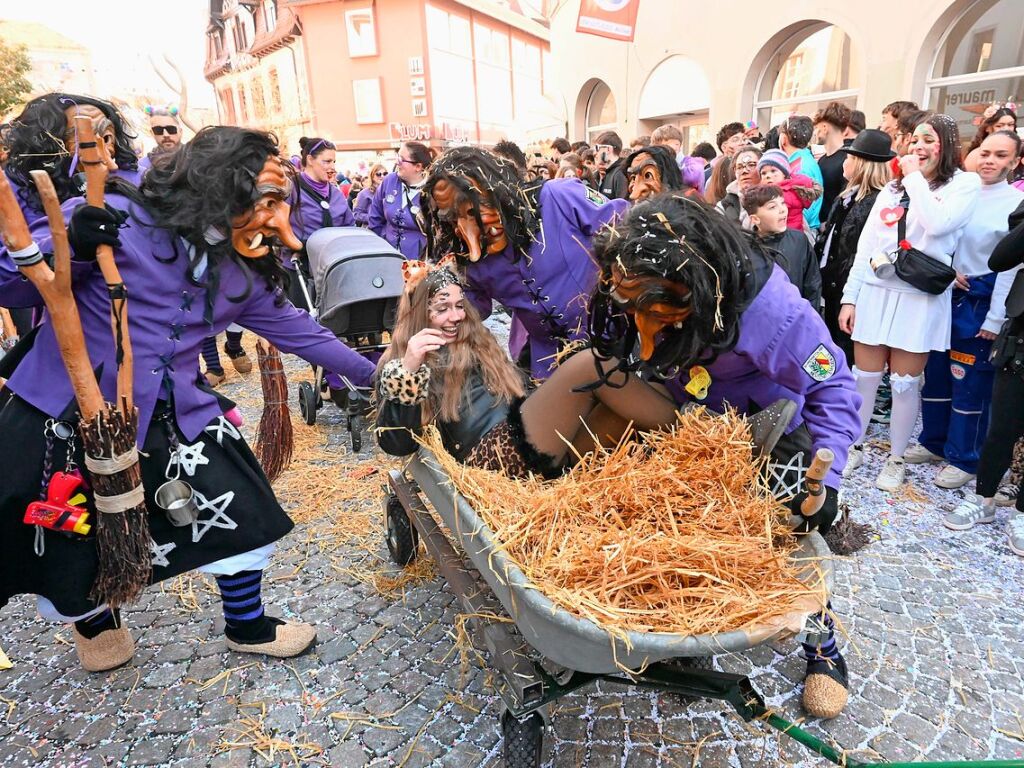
307 402
402 538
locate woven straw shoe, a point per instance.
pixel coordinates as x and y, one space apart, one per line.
108 650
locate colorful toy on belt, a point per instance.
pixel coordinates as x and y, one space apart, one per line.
62 510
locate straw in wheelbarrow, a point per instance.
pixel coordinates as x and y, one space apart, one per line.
675 534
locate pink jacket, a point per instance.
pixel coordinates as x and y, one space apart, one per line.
795 202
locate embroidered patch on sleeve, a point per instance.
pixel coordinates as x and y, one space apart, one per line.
821 365
595 197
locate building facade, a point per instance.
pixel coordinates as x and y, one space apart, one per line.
700 66
370 74
255 62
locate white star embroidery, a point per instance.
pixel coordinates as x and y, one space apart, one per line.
191 457
221 428
219 519
160 552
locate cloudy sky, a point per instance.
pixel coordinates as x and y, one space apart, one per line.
122 34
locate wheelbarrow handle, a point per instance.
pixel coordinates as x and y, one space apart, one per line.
814 482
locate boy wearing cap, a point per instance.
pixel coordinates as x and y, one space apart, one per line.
798 191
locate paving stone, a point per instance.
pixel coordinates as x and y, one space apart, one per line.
151 751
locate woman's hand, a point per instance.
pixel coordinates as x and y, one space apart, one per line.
422 344
987 335
847 315
909 164
962 282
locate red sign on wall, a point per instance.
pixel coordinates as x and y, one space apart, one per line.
614 19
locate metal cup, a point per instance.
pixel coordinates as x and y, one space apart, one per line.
177 499
883 265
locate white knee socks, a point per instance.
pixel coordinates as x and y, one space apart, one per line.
906 401
867 387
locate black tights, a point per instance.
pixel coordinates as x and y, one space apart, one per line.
1005 429
555 413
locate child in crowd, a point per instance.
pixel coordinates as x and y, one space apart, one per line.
766 206
798 190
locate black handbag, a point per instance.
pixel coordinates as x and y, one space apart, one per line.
918 268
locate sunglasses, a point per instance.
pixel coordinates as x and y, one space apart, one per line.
381 174
160 130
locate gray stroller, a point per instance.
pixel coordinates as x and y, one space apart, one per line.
352 281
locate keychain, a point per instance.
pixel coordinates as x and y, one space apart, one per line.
61 504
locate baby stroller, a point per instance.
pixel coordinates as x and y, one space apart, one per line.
352 287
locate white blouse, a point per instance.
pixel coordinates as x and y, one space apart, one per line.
935 221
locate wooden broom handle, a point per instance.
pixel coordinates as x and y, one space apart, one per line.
9 330
95 158
54 287
814 482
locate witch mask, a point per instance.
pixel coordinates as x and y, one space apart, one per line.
268 216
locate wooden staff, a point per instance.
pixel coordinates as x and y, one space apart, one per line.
110 437
96 160
54 285
814 482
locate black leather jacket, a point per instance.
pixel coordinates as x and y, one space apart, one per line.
481 412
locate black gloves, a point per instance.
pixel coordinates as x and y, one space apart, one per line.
92 227
824 517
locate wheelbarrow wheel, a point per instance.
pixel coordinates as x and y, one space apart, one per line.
402 538
355 427
307 403
524 740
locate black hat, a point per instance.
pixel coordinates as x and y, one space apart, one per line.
871 144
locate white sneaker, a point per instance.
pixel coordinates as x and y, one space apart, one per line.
892 475
918 454
854 459
971 511
952 477
1006 496
1015 533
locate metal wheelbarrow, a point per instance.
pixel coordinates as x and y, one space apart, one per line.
552 652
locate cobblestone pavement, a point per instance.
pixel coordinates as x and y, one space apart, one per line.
934 647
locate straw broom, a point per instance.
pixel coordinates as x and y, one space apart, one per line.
109 434
274 437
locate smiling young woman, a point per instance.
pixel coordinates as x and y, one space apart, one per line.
892 322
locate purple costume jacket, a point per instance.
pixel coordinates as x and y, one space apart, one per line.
784 351
166 312
394 215
361 211
308 214
548 290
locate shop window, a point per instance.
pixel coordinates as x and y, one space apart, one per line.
813 67
979 62
275 90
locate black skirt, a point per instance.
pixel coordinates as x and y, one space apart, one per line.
237 508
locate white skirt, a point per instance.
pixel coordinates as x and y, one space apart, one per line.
909 320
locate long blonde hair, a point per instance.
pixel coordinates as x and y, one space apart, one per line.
868 176
374 182
451 365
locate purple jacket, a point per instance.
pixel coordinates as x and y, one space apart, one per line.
394 214
308 215
784 351
167 327
548 290
361 211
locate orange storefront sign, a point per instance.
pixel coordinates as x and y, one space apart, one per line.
614 19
